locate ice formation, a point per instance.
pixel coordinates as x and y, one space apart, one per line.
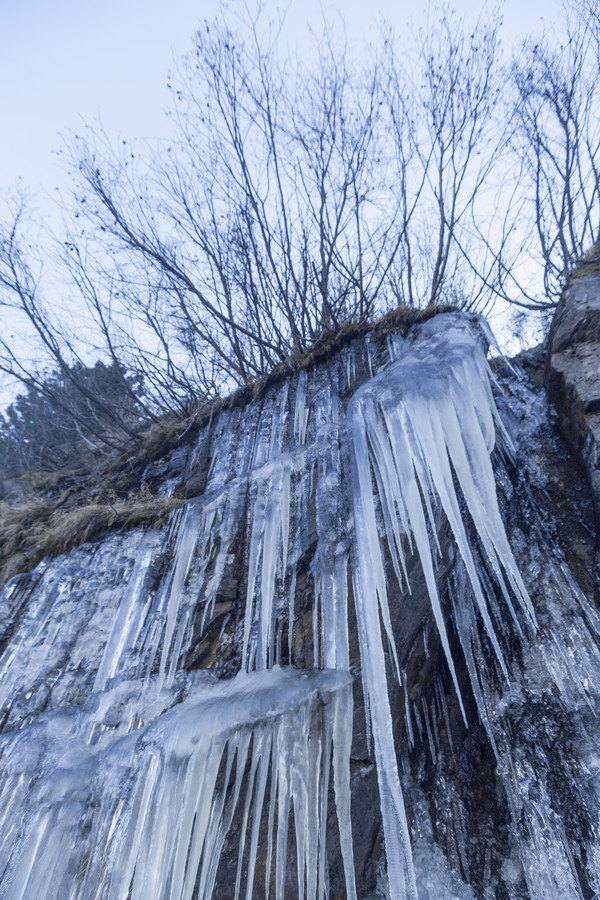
157 802
141 768
426 420
125 772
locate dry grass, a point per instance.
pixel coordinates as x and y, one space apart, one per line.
588 263
39 527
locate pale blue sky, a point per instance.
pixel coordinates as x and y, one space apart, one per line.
64 61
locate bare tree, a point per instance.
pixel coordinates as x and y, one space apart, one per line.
558 138
449 139
258 228
48 347
295 198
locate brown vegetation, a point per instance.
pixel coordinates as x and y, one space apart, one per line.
40 526
588 263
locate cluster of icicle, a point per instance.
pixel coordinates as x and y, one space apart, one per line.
147 815
122 772
129 785
426 422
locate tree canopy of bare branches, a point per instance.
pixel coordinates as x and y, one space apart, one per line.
293 199
296 196
557 137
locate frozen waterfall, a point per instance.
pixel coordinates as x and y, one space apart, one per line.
181 708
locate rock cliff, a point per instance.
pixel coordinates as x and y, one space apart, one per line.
364 652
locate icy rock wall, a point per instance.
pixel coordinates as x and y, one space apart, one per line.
100 708
573 372
123 771
128 772
513 800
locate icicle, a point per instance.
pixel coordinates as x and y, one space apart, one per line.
185 548
369 352
164 835
350 367
330 563
444 706
268 556
301 409
434 723
395 346
464 617
341 746
409 731
430 741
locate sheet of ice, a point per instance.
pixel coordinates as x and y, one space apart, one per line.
301 410
66 637
157 803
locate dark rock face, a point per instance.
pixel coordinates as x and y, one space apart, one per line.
573 373
577 318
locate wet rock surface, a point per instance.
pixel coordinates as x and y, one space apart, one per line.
573 374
